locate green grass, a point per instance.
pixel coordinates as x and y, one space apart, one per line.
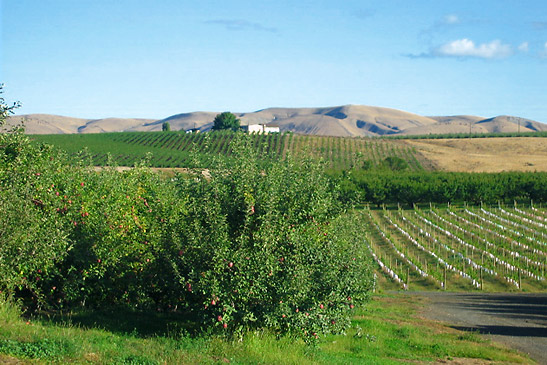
386 331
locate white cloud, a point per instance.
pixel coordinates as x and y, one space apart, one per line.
451 19
524 47
467 48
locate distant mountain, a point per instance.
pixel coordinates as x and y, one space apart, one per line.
346 120
474 124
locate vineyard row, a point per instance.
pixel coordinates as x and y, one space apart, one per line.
177 149
490 248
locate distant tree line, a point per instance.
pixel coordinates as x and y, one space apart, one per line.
379 187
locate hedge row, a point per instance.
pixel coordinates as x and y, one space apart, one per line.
379 187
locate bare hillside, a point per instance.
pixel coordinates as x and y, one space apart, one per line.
47 124
474 124
57 124
346 120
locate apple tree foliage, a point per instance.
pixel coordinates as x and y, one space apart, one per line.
268 247
246 246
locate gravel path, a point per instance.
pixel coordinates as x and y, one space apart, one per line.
517 320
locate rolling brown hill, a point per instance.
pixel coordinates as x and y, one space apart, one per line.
346 120
474 124
57 124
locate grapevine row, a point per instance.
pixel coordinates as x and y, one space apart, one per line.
469 249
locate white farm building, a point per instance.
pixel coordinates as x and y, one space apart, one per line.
261 128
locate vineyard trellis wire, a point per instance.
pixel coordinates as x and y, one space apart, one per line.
448 247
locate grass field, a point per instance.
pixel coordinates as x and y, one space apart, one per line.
484 154
387 331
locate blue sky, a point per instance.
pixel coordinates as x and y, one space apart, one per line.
153 59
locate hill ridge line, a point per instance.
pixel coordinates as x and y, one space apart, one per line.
348 120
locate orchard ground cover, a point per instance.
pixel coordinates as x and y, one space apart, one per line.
388 330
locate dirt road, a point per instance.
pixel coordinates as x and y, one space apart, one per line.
517 320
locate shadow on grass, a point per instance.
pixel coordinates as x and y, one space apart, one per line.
127 322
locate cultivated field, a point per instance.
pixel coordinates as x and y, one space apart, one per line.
466 248
176 149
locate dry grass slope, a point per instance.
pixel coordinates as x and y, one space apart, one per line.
484 154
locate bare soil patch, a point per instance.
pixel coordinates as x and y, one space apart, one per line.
484 154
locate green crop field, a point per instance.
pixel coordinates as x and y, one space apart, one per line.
177 149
